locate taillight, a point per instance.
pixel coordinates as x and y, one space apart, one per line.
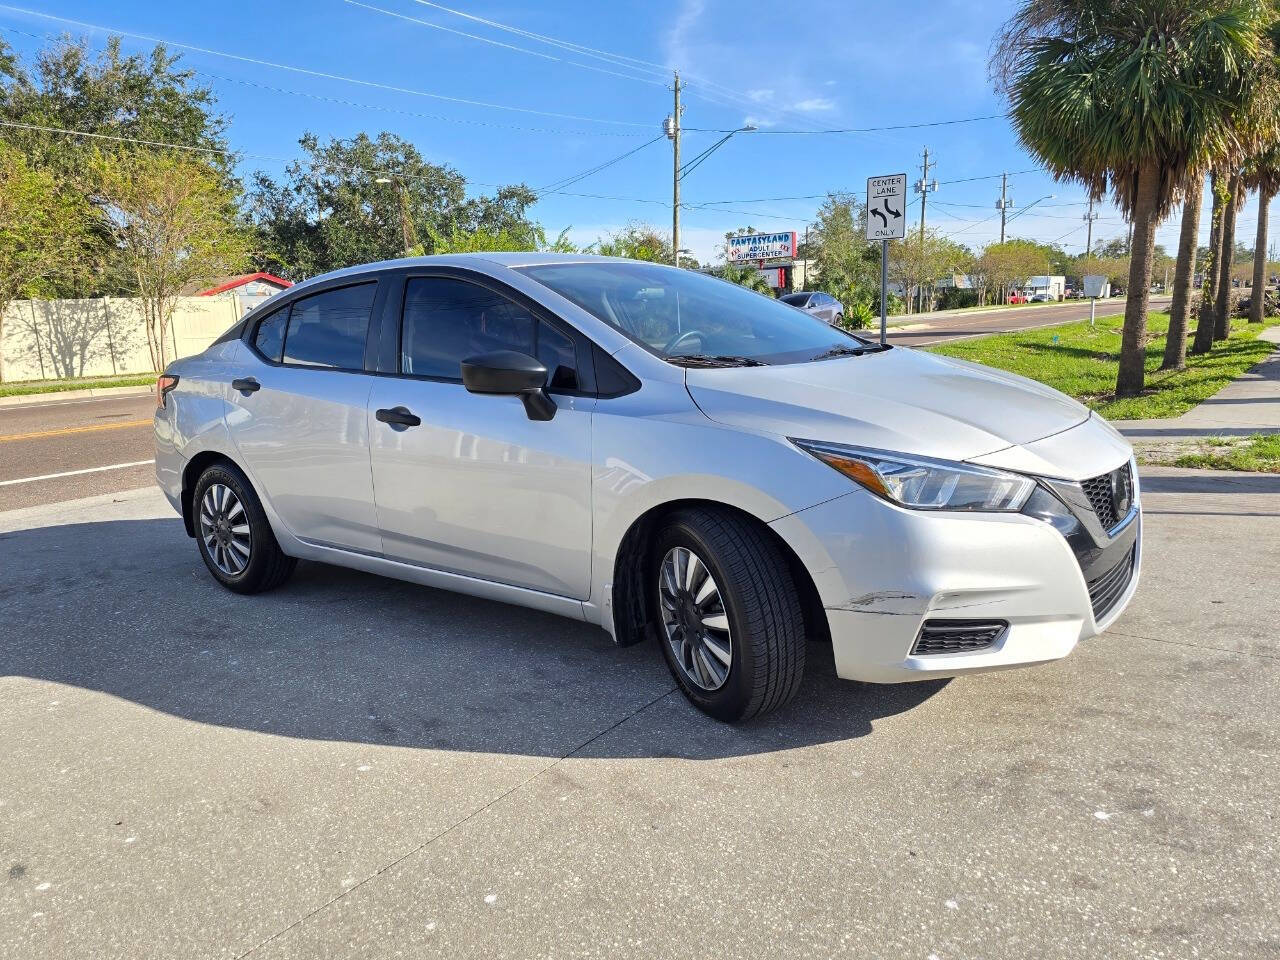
164 384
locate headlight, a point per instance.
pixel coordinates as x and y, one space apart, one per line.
924 484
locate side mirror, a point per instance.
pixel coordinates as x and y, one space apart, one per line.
508 373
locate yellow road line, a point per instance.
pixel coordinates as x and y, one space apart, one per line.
63 431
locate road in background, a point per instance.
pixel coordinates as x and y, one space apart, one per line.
54 439
60 437
939 327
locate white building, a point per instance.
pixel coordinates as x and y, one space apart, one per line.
1055 287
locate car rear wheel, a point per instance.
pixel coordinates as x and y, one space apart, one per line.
838 320
233 533
729 617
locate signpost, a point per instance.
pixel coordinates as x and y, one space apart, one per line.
1093 284
886 220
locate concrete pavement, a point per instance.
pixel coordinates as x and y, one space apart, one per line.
354 767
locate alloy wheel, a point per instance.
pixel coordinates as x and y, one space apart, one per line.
694 619
224 527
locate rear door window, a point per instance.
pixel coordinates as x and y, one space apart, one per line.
268 336
329 329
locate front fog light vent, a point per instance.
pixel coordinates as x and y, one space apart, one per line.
957 636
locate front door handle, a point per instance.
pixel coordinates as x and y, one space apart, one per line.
398 417
245 384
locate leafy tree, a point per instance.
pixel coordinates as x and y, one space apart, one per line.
916 261
482 240
140 96
367 199
173 220
1131 98
638 241
41 229
847 266
1004 266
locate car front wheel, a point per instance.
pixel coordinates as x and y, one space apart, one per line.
729 617
233 533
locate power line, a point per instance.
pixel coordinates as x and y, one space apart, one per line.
569 181
342 101
319 73
896 126
499 43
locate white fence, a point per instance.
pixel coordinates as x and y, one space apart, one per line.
55 339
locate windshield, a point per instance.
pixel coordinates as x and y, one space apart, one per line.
684 316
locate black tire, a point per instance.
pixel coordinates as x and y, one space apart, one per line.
268 566
766 621
839 320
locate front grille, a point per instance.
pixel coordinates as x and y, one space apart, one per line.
1106 590
1104 491
957 636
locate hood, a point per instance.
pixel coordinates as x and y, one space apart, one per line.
901 399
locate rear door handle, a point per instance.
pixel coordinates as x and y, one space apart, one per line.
245 384
398 417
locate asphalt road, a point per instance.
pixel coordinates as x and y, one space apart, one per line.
930 328
59 439
354 767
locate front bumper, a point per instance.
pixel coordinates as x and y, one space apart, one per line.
881 571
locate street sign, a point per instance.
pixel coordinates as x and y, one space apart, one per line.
887 207
763 246
1093 284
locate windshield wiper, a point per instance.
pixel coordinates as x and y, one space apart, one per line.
843 351
718 360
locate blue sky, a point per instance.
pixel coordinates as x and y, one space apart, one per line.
805 66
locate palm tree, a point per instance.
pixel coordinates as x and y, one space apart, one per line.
1262 173
1129 98
1209 291
1175 344
745 276
1222 307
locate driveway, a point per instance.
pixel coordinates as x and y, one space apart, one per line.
354 767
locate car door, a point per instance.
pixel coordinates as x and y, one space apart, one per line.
476 487
826 307
298 416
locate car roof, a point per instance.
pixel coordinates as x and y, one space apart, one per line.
474 260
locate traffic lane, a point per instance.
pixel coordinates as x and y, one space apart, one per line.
68 444
409 771
984 323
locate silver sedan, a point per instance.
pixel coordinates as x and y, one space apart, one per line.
656 451
817 304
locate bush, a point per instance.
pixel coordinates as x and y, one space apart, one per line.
858 316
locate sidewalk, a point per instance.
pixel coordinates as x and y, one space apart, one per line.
1246 406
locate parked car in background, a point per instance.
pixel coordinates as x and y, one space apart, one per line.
817 304
1017 297
1041 298
660 453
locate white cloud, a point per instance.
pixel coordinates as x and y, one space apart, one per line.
682 28
761 122
760 96
816 105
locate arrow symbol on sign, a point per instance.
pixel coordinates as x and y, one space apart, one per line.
877 213
896 213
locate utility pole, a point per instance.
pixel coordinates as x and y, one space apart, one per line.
923 187
1004 203
672 129
1089 218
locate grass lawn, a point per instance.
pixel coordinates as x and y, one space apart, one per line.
1259 453
57 386
1082 362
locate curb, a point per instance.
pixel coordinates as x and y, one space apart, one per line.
91 393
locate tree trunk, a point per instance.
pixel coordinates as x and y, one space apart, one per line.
1209 289
1132 373
1258 294
1222 309
1175 344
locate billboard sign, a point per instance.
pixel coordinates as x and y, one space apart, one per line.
762 246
